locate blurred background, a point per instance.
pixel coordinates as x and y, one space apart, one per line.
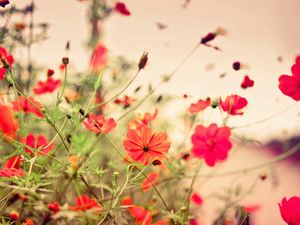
264 35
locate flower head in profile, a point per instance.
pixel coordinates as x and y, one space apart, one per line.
233 104
6 60
99 58
143 145
121 8
99 124
84 203
28 105
11 167
37 143
211 143
247 82
126 101
8 124
142 120
290 210
48 86
151 178
139 213
199 106
290 84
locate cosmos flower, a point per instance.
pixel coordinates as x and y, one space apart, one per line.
144 146
28 105
11 167
99 124
39 143
84 203
233 104
247 82
99 58
289 210
199 106
290 84
142 119
48 86
146 184
8 124
54 207
211 143
121 8
6 60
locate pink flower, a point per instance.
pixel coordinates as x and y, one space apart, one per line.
233 104
99 124
199 106
211 143
121 8
247 82
99 58
6 60
290 210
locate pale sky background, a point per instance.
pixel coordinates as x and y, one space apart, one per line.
258 32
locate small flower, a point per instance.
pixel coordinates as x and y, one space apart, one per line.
199 106
50 72
47 86
290 85
139 213
39 143
74 159
289 210
84 203
14 216
142 119
196 199
99 58
12 167
211 143
28 105
6 61
152 178
28 222
121 8
8 124
251 208
145 146
233 104
99 124
54 207
247 82
126 101
3 3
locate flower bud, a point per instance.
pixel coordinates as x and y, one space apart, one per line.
143 61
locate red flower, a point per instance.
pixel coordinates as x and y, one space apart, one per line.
139 213
233 104
289 210
197 199
50 72
211 143
12 167
121 8
39 143
290 85
153 177
28 222
84 203
141 120
54 207
47 86
199 106
126 101
144 146
99 58
28 105
8 124
14 216
6 60
99 124
3 3
247 82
